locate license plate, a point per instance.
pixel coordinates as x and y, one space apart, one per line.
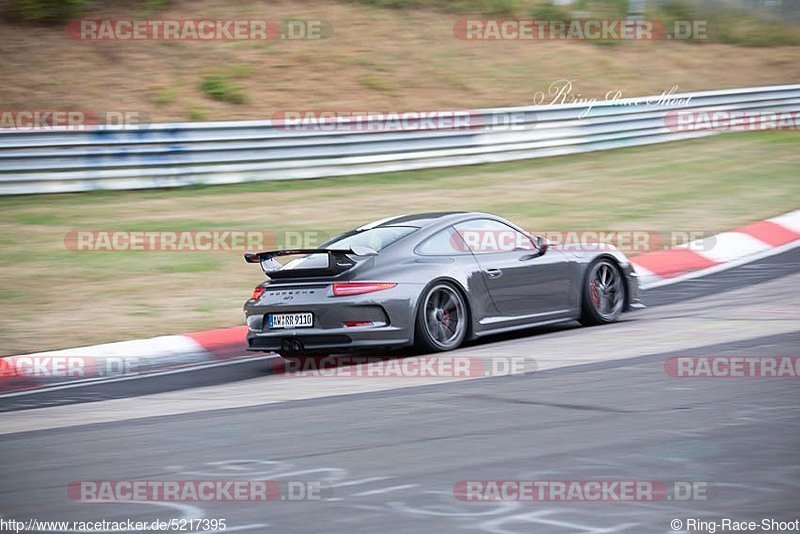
290 320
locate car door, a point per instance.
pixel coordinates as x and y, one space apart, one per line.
520 279
446 247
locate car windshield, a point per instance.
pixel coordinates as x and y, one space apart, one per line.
376 238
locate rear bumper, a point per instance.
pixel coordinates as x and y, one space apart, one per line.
391 313
346 339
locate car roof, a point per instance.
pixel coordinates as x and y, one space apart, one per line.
419 220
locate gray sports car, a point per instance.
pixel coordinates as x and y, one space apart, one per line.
432 281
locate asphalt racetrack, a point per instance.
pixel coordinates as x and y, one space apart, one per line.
389 452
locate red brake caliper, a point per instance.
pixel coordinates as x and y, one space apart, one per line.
594 294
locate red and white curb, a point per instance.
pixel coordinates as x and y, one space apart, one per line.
719 252
128 360
123 360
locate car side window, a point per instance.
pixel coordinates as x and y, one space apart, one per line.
446 242
485 236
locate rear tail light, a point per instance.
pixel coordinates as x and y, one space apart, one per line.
356 324
344 289
257 292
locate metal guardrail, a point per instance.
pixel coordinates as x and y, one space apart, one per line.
179 154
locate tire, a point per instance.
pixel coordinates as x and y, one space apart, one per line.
442 320
603 297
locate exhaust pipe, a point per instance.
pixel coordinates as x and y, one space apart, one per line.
291 346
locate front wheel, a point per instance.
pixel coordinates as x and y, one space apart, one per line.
603 293
441 319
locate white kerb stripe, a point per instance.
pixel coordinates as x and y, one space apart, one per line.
162 350
728 246
788 220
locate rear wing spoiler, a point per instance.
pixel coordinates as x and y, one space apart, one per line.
338 261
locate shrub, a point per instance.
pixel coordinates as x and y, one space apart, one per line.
221 88
45 11
197 114
546 10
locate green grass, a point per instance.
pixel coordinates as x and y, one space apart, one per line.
495 7
197 114
730 25
222 88
165 97
43 11
710 184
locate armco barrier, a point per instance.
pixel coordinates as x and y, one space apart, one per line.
178 154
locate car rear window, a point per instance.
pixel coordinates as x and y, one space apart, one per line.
377 238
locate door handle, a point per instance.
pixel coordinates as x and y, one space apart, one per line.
494 273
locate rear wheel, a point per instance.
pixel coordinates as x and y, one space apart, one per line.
603 293
441 319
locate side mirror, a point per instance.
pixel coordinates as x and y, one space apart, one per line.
542 244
